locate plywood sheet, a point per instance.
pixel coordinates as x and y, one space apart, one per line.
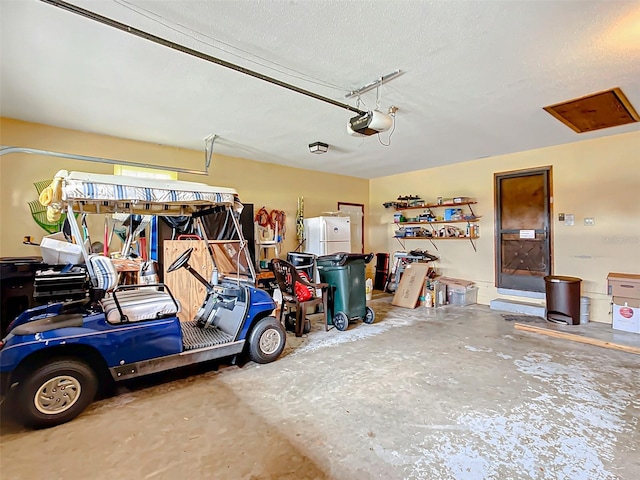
184 287
599 335
411 283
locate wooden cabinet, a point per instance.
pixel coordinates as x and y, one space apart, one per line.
184 286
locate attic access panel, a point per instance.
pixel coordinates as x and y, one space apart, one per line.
610 108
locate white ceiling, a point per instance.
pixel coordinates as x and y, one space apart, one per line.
477 74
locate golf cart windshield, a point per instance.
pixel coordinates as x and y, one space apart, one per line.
80 192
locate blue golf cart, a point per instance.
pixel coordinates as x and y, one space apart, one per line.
91 331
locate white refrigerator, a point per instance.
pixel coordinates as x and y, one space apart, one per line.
326 235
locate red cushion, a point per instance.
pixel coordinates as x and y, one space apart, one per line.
302 292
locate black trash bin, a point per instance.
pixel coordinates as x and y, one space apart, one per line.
563 299
304 262
382 270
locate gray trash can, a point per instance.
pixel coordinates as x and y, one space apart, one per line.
563 299
304 262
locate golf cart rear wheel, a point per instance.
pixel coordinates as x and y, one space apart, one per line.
370 316
55 393
341 321
267 340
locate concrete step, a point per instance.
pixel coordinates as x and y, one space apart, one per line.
515 306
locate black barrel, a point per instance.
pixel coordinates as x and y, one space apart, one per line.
563 299
382 270
303 262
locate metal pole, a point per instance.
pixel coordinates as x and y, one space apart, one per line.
84 158
194 53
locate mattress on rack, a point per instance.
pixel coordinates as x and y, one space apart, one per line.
97 193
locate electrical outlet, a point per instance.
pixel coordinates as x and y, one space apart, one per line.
589 221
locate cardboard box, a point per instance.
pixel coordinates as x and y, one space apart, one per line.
626 314
408 293
55 250
625 285
452 214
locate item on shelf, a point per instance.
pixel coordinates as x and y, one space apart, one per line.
424 254
449 231
453 214
427 216
461 199
409 201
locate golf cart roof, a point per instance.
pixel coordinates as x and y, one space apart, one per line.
98 193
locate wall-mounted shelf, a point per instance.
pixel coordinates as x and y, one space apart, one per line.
436 205
469 220
432 239
472 219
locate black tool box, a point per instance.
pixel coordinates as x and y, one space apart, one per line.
59 285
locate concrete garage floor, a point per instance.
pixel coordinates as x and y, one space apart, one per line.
454 394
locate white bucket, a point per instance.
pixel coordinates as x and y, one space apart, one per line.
584 310
369 288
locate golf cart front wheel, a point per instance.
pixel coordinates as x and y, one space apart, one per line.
341 321
267 340
370 316
55 392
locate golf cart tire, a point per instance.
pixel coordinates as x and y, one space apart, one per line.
267 340
58 374
341 321
369 316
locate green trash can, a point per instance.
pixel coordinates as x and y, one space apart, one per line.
345 274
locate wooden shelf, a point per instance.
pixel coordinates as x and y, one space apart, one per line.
437 238
440 221
431 239
474 220
432 205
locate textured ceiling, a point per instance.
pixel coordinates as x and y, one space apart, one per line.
477 74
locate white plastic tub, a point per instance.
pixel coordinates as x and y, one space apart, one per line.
55 250
461 295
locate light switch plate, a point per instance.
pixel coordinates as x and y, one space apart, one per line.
589 221
561 217
569 219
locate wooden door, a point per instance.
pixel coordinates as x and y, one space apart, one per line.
523 229
184 286
356 214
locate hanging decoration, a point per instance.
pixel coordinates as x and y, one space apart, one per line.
300 221
271 224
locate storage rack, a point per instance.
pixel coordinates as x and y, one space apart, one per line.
469 221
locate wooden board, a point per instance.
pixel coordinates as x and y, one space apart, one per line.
411 283
580 338
184 286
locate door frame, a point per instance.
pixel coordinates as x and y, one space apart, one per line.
362 229
548 169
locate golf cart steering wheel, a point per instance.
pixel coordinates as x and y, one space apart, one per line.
181 261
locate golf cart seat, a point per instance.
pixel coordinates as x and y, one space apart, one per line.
129 303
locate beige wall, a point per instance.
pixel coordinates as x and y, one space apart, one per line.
593 178
273 186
